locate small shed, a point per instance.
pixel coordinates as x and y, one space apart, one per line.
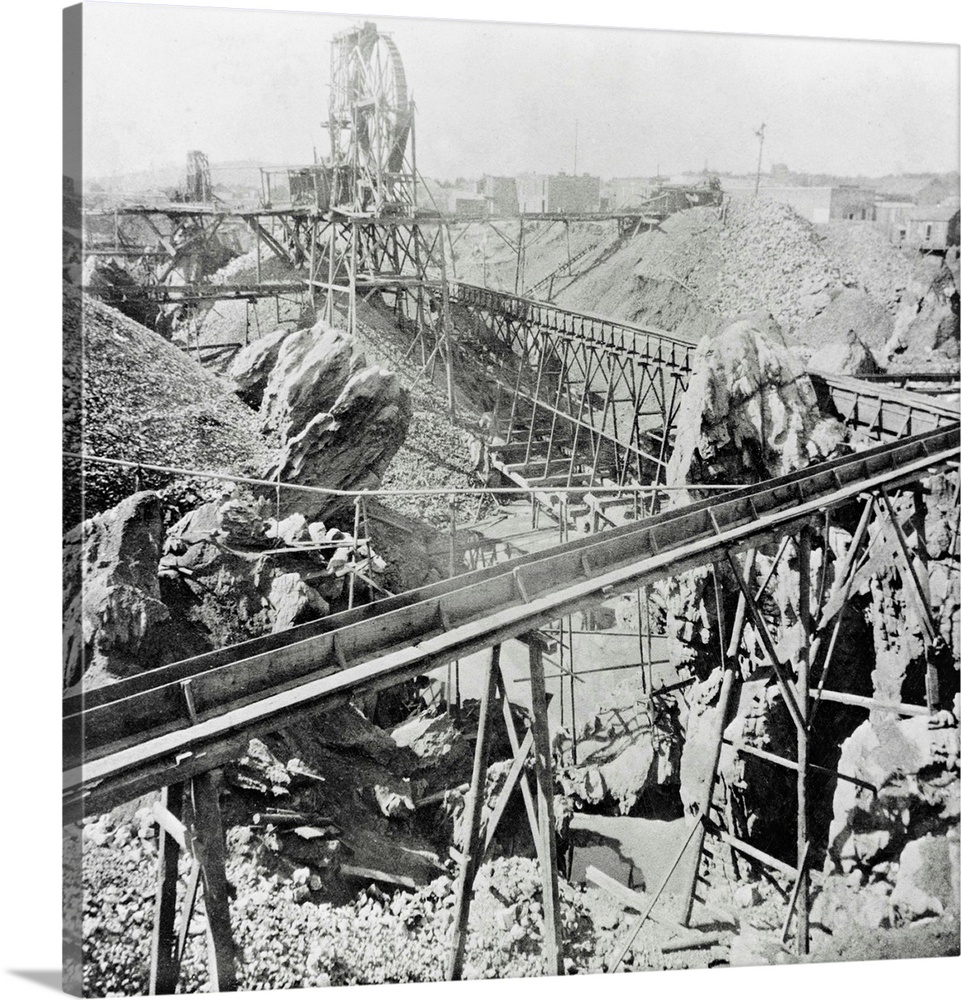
930 228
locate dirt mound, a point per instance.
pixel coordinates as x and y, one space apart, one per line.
143 400
704 266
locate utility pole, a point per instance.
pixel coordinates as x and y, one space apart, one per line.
757 182
575 147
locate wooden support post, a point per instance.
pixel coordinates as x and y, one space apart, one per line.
787 689
799 883
544 772
164 966
472 850
510 783
211 854
738 627
804 620
528 796
189 816
686 897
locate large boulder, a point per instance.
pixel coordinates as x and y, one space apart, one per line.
749 412
347 447
111 600
251 368
927 879
311 371
292 601
232 584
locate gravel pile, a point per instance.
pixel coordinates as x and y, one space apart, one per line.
435 454
143 400
284 943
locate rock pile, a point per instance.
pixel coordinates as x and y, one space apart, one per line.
137 595
894 836
703 267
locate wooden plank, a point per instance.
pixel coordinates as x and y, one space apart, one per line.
686 894
373 875
169 824
859 701
752 852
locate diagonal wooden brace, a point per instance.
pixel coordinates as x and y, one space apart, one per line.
513 776
784 682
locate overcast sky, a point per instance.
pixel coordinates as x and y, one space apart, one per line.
498 98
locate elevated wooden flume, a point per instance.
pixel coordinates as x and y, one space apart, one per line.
576 401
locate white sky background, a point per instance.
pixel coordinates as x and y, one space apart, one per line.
502 98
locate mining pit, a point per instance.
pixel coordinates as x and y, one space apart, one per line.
343 833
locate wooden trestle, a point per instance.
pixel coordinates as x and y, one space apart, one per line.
171 727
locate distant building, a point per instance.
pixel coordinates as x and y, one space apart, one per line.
816 204
565 193
500 193
891 218
930 228
459 201
574 193
852 202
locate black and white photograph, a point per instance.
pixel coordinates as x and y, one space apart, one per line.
511 508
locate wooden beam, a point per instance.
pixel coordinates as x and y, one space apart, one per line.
844 698
544 772
484 610
803 665
510 783
211 853
471 850
164 968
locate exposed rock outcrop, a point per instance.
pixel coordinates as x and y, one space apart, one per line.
311 370
115 621
248 573
907 789
625 755
927 326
